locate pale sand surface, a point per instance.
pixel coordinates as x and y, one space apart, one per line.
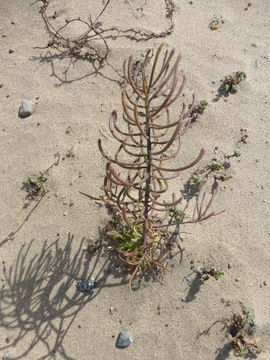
40 309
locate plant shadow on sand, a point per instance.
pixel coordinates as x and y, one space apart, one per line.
39 300
63 68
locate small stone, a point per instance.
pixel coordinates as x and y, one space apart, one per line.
188 279
86 286
1 85
4 357
65 213
229 265
123 340
111 310
4 35
10 51
237 280
25 109
264 283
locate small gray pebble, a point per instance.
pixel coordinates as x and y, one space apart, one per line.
123 340
25 109
188 279
4 357
229 266
10 51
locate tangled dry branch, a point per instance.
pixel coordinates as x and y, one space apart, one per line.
92 44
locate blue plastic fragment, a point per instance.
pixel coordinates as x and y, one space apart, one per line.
86 286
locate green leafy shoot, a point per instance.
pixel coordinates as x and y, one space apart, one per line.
217 166
218 274
36 182
226 302
229 83
129 239
175 214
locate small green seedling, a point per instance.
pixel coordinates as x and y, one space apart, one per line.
226 302
196 180
167 153
200 107
218 273
216 166
8 339
35 183
247 317
260 350
175 214
70 154
229 83
198 110
68 130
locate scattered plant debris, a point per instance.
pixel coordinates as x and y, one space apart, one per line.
229 83
198 110
215 23
244 136
248 6
241 328
236 153
35 184
70 154
93 246
205 273
216 168
136 179
68 130
226 302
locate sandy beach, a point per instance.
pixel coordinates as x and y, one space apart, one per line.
44 240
